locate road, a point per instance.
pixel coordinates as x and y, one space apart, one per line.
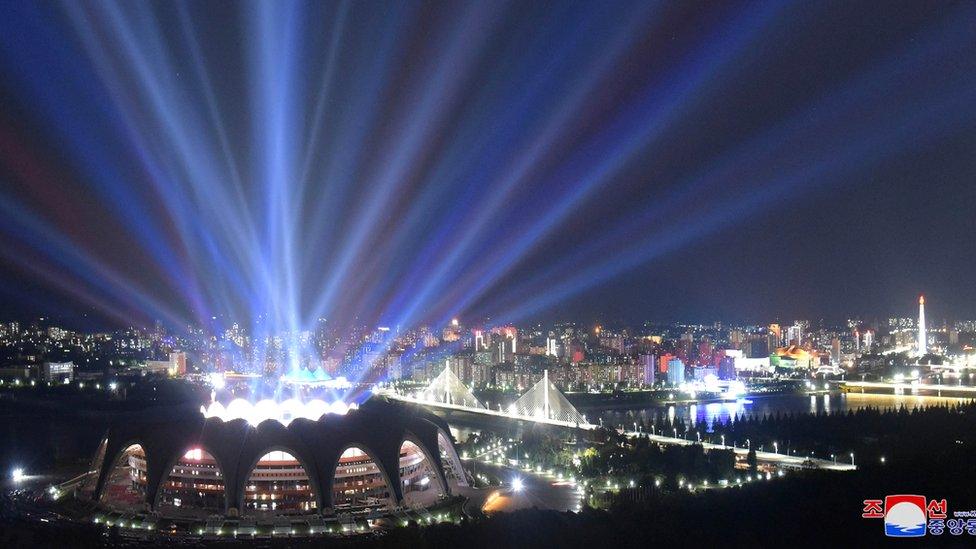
782 460
540 491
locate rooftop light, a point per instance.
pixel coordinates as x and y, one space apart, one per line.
282 412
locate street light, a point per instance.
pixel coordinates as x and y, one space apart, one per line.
852 458
517 484
775 447
723 441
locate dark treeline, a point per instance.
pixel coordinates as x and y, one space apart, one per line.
644 462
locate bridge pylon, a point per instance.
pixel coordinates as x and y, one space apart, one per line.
449 389
545 400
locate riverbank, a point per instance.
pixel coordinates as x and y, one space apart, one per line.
908 389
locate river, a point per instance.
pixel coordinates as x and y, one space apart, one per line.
756 405
784 403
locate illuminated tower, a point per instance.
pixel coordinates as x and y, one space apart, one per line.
551 345
921 325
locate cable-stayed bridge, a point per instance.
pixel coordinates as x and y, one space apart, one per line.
543 403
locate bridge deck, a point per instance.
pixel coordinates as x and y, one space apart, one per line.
766 457
496 413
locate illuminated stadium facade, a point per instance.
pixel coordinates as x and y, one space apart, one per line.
377 458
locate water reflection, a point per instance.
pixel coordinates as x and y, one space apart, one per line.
707 414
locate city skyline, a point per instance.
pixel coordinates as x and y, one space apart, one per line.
382 354
86 324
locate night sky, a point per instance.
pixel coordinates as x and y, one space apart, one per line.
402 163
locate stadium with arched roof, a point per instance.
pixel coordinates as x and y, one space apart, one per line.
378 457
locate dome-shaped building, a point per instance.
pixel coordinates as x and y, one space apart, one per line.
380 456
